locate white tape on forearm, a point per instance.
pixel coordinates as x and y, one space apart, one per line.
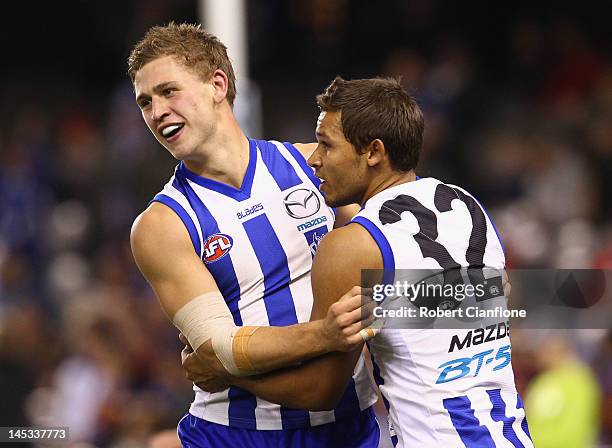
222 345
207 317
203 318
368 333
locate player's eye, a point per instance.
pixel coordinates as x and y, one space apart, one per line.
144 104
168 91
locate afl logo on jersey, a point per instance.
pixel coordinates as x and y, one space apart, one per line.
302 203
216 247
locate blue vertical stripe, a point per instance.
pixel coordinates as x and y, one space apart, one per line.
498 414
472 433
275 268
524 425
280 169
277 296
241 412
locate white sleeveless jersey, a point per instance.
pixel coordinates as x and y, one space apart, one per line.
258 242
442 392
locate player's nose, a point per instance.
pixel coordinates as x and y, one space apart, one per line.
159 109
315 159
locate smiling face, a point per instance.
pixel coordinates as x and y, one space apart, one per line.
337 163
177 106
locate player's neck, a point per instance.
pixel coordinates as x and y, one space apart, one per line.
225 156
387 180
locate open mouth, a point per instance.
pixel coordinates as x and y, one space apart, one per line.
170 131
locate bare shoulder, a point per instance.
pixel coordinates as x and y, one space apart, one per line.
351 239
156 222
156 234
306 149
166 257
347 251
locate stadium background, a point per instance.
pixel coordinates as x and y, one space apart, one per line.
518 106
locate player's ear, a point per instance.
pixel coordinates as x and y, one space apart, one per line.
220 83
376 152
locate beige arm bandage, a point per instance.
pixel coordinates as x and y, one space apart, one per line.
203 317
208 317
233 351
368 333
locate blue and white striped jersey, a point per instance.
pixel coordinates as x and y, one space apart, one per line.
440 393
258 242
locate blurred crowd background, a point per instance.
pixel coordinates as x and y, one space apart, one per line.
518 106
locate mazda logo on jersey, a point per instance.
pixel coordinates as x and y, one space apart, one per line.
216 247
302 203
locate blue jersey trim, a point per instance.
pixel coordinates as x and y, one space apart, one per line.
299 158
238 194
180 211
383 245
281 170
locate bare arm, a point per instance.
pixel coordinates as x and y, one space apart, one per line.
158 236
164 253
320 383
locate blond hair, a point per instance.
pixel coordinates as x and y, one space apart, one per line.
194 47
